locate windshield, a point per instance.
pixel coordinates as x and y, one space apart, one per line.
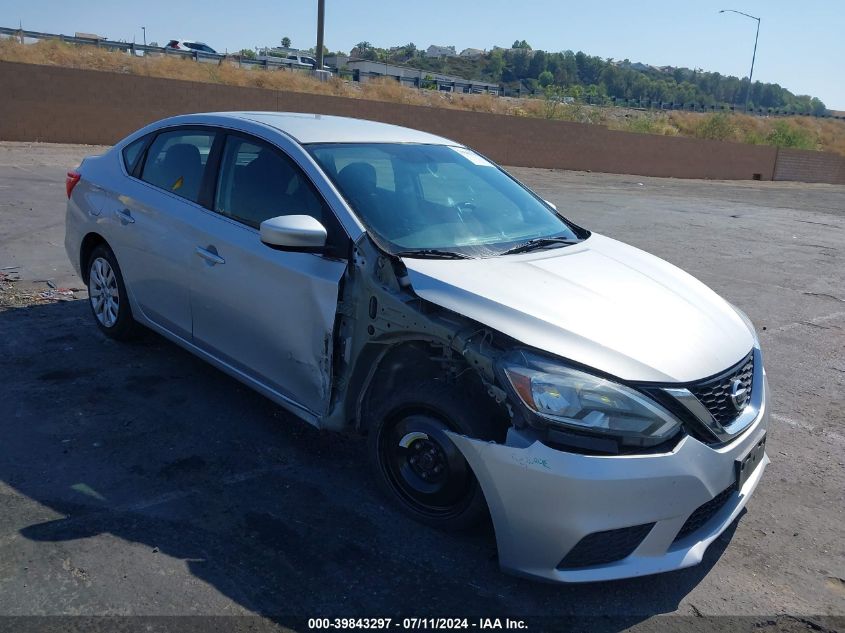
430 198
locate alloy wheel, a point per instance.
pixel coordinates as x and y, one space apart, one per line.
103 292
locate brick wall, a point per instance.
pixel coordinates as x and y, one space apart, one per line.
807 166
47 103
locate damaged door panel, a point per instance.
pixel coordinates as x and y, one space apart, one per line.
266 312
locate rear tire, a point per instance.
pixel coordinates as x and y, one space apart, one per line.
415 462
107 295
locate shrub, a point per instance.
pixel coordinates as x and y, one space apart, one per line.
785 135
716 127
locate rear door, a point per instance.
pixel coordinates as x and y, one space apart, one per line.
154 225
266 312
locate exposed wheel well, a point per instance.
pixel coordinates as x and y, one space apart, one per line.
89 243
413 363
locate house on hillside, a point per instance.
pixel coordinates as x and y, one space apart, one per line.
526 51
626 63
471 53
440 51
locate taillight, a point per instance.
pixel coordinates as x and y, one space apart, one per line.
70 182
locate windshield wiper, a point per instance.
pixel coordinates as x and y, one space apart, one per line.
538 242
432 253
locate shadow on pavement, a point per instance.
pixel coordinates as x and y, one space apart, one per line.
197 478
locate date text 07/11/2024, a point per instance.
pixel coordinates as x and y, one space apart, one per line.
417 623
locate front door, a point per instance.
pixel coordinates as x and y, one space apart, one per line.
268 313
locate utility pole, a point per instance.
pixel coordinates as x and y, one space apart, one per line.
753 56
321 19
144 29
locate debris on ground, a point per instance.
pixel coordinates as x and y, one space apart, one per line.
17 295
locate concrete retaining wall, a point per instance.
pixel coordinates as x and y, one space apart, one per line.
46 103
807 166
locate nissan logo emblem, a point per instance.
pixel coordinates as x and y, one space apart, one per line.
739 394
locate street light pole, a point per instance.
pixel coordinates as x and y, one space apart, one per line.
321 18
753 56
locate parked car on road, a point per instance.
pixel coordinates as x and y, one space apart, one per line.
197 47
607 409
290 58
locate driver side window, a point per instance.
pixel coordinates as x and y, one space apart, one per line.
257 182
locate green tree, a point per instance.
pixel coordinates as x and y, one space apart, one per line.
495 65
576 92
817 107
567 70
286 42
518 62
364 50
537 64
552 96
521 44
313 50
247 53
546 78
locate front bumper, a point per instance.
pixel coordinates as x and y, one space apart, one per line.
543 501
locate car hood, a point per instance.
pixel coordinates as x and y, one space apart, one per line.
600 303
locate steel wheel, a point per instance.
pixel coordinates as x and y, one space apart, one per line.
103 292
423 466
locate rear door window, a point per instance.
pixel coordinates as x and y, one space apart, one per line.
176 161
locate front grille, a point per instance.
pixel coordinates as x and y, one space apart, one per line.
705 512
600 548
715 394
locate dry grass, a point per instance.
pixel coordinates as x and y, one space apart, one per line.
807 132
826 135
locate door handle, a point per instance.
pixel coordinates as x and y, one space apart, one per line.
125 216
210 257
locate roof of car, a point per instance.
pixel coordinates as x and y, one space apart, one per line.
321 128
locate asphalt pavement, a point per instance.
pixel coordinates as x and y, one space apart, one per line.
137 480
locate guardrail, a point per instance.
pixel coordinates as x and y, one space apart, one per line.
134 48
266 62
431 83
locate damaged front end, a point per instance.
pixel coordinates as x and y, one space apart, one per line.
637 494
378 312
569 517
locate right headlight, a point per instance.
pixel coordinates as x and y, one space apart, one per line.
576 400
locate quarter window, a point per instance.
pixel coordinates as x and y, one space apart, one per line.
176 161
132 152
257 182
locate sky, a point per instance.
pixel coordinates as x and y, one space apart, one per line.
801 47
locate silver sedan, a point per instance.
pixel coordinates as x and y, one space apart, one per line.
607 410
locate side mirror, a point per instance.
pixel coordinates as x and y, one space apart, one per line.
293 232
551 204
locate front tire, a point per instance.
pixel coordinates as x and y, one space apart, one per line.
415 462
107 295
